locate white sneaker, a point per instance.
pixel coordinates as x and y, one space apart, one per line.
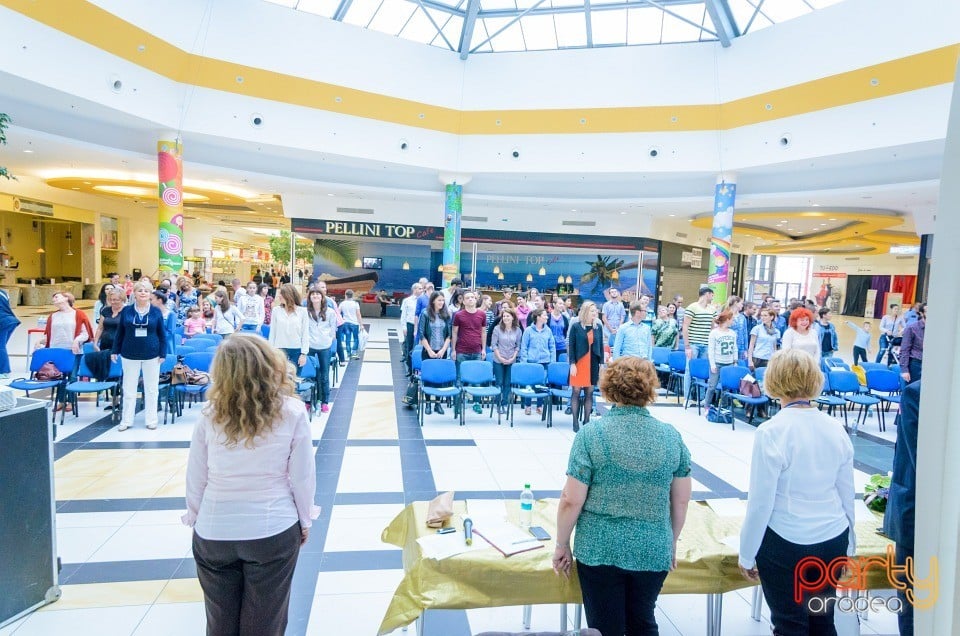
152 427
123 427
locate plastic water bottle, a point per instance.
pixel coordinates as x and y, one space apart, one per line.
526 507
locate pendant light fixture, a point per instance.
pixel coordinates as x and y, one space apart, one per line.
569 279
529 278
500 276
406 265
357 263
69 237
496 269
543 271
560 279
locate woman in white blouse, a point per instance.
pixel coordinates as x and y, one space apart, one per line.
800 504
251 481
289 328
227 319
800 335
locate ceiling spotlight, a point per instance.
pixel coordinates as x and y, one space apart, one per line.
833 219
40 250
28 151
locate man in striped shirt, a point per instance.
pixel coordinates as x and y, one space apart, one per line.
697 323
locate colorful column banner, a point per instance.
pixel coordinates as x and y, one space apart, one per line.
452 211
170 205
718 272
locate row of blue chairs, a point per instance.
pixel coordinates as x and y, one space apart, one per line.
528 381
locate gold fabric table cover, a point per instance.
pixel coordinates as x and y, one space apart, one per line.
485 578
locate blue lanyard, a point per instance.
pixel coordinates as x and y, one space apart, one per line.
798 403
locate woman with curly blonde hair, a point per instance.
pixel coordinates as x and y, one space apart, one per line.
251 481
628 486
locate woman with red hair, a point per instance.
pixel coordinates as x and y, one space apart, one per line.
799 335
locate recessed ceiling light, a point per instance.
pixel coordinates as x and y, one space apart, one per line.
623 213
329 194
816 205
833 219
28 151
86 183
74 188
671 215
573 209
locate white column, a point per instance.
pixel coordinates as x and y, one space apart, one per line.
938 456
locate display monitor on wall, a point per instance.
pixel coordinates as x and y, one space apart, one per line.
371 262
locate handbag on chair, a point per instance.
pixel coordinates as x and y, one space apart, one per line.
750 389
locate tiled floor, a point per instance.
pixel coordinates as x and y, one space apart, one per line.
128 567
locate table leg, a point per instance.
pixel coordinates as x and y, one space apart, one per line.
527 611
578 617
714 614
563 617
757 602
710 615
419 623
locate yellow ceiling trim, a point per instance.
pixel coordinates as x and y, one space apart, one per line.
99 28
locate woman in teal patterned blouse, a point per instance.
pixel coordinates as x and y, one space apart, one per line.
628 486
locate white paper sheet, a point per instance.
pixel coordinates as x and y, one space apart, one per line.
443 546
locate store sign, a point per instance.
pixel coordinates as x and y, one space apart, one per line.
830 275
376 230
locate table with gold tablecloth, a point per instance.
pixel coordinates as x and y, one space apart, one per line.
485 578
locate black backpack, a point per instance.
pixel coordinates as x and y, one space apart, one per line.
412 392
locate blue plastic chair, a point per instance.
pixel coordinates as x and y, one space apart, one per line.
196 361
74 389
699 374
477 381
885 385
847 386
167 394
563 357
558 381
416 359
306 382
265 331
204 344
64 360
524 375
215 337
660 357
441 375
730 390
828 399
677 361
873 366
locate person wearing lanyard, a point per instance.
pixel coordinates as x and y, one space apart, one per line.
800 502
141 346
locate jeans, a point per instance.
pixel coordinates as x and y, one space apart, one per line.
463 357
916 369
293 355
699 351
5 332
905 618
712 382
323 373
777 560
408 346
859 353
246 584
351 333
620 601
501 372
341 336
151 389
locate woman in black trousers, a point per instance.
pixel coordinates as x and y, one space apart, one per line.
251 481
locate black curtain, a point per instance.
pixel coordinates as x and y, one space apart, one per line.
856 295
882 285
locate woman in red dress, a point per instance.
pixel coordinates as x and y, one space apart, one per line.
585 351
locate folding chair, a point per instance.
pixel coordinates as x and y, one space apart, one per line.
846 385
196 361
442 377
730 389
677 361
527 381
306 381
699 374
476 380
885 385
78 387
558 383
63 359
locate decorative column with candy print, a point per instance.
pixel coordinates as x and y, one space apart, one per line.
724 198
452 211
170 208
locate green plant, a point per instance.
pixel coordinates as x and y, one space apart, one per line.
4 124
876 492
280 248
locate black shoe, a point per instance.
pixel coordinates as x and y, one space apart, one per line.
568 411
576 427
438 409
429 409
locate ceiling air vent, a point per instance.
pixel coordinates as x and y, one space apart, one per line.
851 258
475 219
581 223
354 211
904 258
681 235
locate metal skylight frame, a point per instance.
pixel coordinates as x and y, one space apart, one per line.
468 27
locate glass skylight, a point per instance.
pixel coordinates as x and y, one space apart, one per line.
536 25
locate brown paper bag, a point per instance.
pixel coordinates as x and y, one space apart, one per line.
439 510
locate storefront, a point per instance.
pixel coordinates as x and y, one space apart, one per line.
373 257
